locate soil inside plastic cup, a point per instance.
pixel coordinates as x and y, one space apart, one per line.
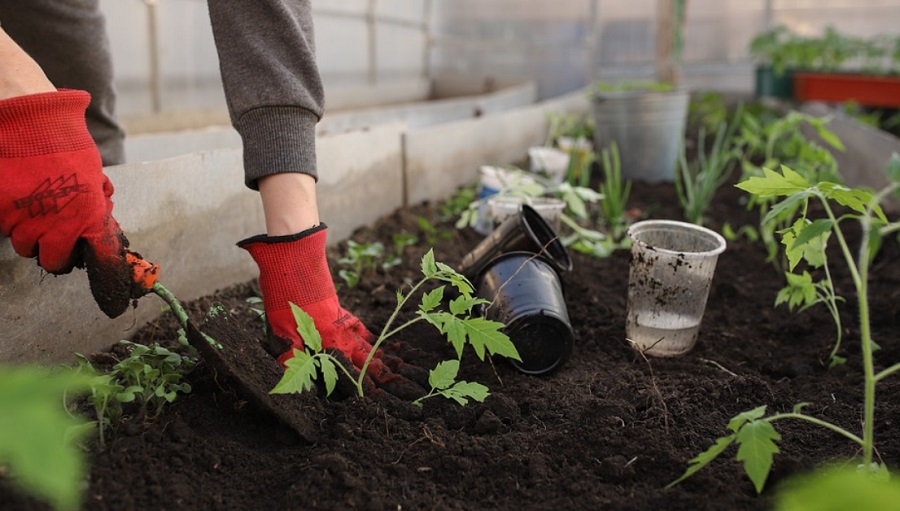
672 267
526 295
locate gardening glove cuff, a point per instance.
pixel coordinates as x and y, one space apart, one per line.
55 204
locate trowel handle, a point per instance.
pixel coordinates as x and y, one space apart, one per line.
143 272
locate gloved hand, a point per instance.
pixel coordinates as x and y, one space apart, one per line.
54 198
295 269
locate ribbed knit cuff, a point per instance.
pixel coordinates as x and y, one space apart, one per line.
44 123
278 139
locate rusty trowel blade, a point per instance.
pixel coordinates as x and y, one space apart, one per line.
246 365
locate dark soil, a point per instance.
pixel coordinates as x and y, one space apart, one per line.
608 430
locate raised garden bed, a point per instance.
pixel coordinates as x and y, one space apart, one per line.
609 430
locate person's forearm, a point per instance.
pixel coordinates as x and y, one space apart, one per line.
19 73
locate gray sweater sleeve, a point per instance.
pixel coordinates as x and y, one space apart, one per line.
272 85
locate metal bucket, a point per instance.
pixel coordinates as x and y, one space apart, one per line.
647 127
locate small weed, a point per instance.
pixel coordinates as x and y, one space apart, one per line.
696 183
433 233
361 258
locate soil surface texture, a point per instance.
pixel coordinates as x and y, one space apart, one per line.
608 430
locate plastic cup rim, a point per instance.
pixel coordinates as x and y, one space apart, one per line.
719 239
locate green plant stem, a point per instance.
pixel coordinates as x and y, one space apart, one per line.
866 334
384 335
831 303
180 314
860 276
825 424
887 372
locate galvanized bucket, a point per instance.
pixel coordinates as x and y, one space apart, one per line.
648 128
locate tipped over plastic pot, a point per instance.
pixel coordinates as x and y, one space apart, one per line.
526 295
525 231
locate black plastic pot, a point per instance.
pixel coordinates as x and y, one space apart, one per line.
526 231
526 295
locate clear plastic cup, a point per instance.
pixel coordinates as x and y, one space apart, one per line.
672 267
504 206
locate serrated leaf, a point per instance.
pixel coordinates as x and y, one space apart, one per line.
432 299
428 266
463 304
306 327
703 459
757 446
444 374
800 290
329 373
853 198
484 335
299 376
462 391
773 184
738 420
812 231
786 208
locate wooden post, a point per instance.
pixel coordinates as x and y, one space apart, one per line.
670 22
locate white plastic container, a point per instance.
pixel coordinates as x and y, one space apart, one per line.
672 267
494 180
550 161
502 207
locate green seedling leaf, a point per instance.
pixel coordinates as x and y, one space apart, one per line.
812 231
757 445
462 391
740 419
807 241
787 207
432 299
329 373
703 459
853 198
799 291
306 327
130 393
38 438
444 374
428 266
799 407
443 382
773 184
836 360
464 304
299 376
836 488
480 333
829 137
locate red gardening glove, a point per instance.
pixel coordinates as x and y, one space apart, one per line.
55 200
295 269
